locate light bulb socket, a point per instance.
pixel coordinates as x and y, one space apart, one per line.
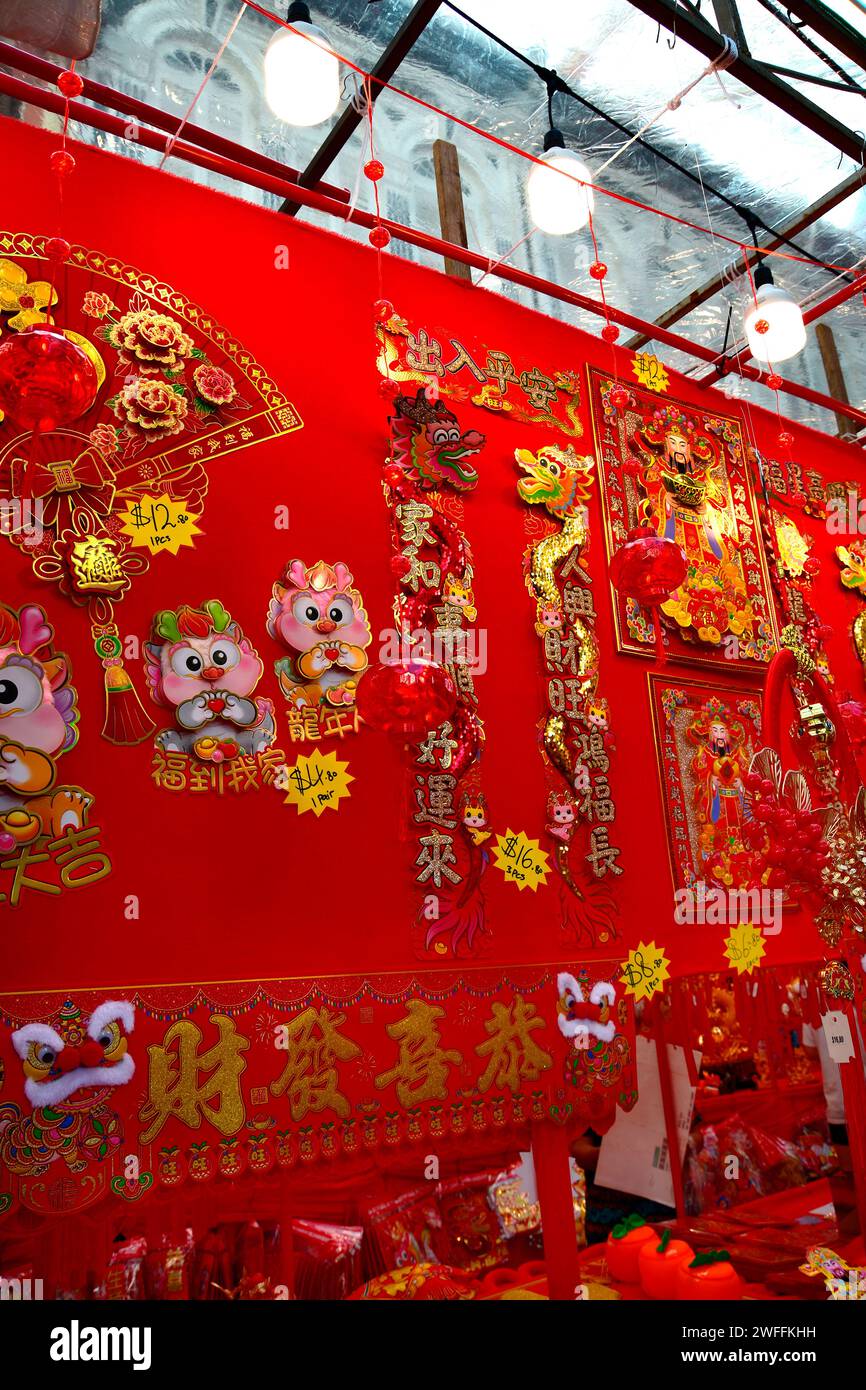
763 275
299 13
554 139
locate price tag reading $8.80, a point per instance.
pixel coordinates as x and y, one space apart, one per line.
645 970
522 860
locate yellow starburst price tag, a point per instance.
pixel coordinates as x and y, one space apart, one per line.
316 783
745 948
159 524
650 372
645 971
522 860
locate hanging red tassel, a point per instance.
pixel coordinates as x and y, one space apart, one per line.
126 720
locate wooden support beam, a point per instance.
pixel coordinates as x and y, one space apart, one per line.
834 374
449 191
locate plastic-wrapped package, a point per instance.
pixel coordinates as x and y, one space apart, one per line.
734 1162
168 1267
406 1230
124 1275
472 1235
326 1259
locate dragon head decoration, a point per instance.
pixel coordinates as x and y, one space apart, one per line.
428 443
556 479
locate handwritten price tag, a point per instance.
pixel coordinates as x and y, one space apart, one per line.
650 372
159 524
522 860
837 1033
744 948
645 971
316 783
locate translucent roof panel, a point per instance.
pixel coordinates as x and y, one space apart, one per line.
735 150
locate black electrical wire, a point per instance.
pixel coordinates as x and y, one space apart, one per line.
797 31
555 83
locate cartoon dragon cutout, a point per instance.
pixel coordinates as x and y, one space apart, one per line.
38 723
202 667
319 615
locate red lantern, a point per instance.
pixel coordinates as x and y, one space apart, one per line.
406 697
46 380
648 568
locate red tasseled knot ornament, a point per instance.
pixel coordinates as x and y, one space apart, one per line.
383 309
70 83
61 162
374 169
648 568
400 566
379 237
598 270
58 249
774 381
406 697
619 397
762 327
45 379
610 333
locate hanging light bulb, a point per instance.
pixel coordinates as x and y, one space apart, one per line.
556 204
302 77
773 321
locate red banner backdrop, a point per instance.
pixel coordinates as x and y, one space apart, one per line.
219 877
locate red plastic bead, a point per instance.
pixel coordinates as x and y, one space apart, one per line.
619 397
58 249
400 566
762 327
786 439
374 169
406 697
393 475
774 381
610 333
598 270
70 83
45 379
61 162
379 237
383 309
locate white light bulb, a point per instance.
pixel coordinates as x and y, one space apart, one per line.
559 204
302 78
785 332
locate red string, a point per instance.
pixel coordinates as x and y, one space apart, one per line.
744 246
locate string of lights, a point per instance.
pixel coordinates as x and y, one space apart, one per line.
555 83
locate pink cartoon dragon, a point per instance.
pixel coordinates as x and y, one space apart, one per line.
38 722
318 614
201 666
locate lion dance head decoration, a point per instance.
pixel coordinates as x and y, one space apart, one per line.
71 1066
